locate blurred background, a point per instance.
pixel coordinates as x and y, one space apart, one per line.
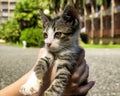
100 22
20 26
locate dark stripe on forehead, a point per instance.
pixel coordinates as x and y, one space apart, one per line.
53 22
46 29
53 25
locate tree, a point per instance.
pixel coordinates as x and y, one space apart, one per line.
57 6
11 31
26 13
1 31
33 36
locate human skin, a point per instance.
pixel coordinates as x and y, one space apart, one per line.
81 74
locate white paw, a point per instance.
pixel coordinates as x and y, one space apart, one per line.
28 89
31 86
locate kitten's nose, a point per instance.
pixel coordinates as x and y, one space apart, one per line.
48 44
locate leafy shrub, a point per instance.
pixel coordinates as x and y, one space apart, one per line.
26 13
84 37
33 36
1 31
10 31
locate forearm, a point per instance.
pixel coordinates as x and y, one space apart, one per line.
13 89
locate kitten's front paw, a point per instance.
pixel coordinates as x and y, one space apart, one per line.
28 89
47 93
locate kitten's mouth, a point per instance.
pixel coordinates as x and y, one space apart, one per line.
51 49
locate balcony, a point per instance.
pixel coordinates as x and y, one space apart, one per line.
12 6
4 14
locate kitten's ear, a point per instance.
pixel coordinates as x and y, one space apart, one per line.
45 19
71 15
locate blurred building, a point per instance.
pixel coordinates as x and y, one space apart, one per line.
102 22
7 9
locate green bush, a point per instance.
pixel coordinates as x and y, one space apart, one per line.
84 37
1 31
27 13
33 36
10 31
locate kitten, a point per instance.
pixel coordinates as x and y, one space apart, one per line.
62 49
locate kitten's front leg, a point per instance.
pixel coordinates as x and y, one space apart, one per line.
61 80
35 80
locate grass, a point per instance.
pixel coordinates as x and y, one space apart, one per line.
14 44
100 46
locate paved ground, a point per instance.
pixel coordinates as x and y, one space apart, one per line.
104 67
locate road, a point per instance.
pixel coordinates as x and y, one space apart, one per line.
104 67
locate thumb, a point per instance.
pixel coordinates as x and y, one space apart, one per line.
84 89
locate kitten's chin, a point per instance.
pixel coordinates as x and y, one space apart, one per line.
54 49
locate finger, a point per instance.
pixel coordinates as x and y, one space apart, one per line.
78 72
84 75
85 88
73 85
81 57
80 62
82 90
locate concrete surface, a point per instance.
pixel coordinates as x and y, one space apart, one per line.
104 67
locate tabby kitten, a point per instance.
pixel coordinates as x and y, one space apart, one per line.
62 49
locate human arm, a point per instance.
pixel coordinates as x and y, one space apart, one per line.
13 89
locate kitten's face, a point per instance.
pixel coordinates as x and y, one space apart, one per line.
60 33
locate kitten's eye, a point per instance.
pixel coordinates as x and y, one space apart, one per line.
45 35
58 34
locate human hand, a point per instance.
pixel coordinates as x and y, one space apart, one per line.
78 84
